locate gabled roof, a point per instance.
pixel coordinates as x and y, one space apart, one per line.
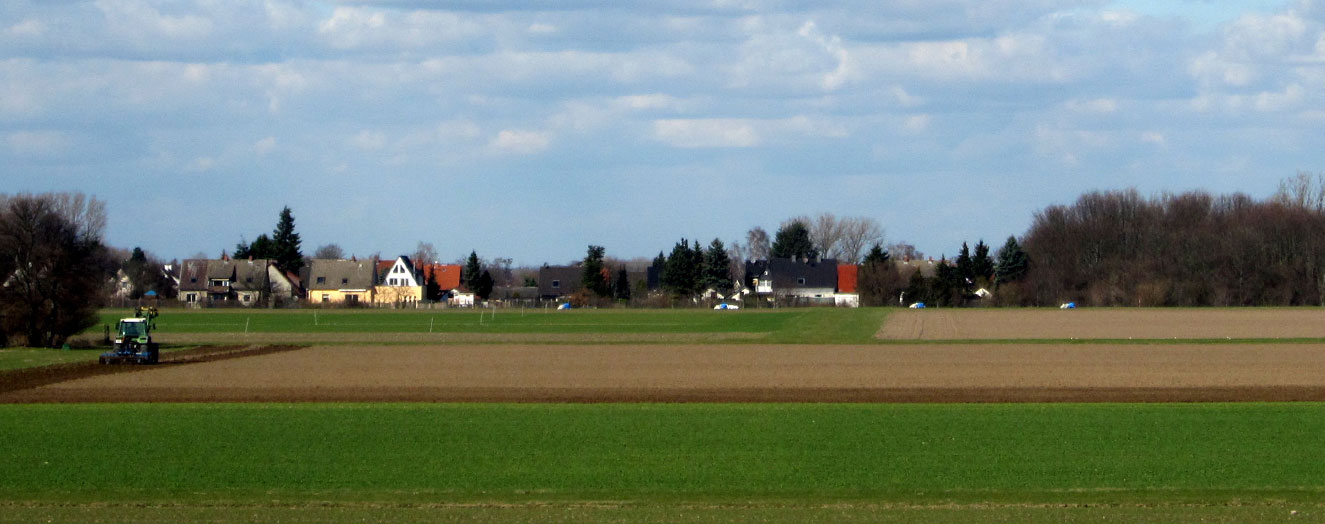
385 267
787 273
566 278
243 275
447 275
193 275
340 274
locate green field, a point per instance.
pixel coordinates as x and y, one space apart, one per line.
476 461
701 463
804 325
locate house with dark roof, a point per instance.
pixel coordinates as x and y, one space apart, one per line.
233 282
795 280
349 282
558 281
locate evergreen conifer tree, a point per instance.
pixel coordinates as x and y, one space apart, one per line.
594 277
1013 263
285 244
793 241
469 275
716 269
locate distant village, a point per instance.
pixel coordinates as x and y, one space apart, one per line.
405 283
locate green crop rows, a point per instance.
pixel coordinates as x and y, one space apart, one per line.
831 325
657 456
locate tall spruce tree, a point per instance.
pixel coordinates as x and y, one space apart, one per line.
716 271
473 270
793 241
593 276
981 263
965 265
286 244
483 288
1013 262
681 271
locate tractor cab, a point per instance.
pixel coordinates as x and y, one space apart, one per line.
133 340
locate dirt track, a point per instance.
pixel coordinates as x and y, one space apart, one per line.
705 373
1122 323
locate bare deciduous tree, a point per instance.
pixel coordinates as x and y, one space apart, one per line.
54 266
424 253
757 244
329 252
858 234
1302 190
826 234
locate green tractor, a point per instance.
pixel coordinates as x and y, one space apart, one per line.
133 340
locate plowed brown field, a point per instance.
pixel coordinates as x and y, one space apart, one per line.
705 373
1138 323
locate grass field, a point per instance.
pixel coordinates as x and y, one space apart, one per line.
637 462
805 325
702 463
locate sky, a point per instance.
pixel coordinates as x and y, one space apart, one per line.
531 129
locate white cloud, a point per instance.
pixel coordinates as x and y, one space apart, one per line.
1097 106
369 140
264 146
713 132
1154 137
520 142
542 29
37 143
201 164
1255 36
917 123
649 101
833 46
26 29
137 19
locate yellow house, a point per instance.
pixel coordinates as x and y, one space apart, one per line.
341 282
398 284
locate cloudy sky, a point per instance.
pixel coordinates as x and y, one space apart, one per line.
530 129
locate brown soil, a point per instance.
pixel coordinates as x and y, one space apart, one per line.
1125 323
699 373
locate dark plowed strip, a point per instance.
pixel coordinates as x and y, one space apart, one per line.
28 378
589 395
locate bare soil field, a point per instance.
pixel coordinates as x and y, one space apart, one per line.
1122 323
705 373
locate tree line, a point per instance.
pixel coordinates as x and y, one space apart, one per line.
1108 248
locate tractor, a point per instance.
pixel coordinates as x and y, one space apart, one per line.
133 340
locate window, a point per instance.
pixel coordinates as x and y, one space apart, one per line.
800 281
556 284
393 282
247 298
322 280
326 298
193 280
190 297
344 281
353 299
249 280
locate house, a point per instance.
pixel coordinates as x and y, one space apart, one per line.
349 282
847 278
447 276
398 283
794 280
558 281
233 282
